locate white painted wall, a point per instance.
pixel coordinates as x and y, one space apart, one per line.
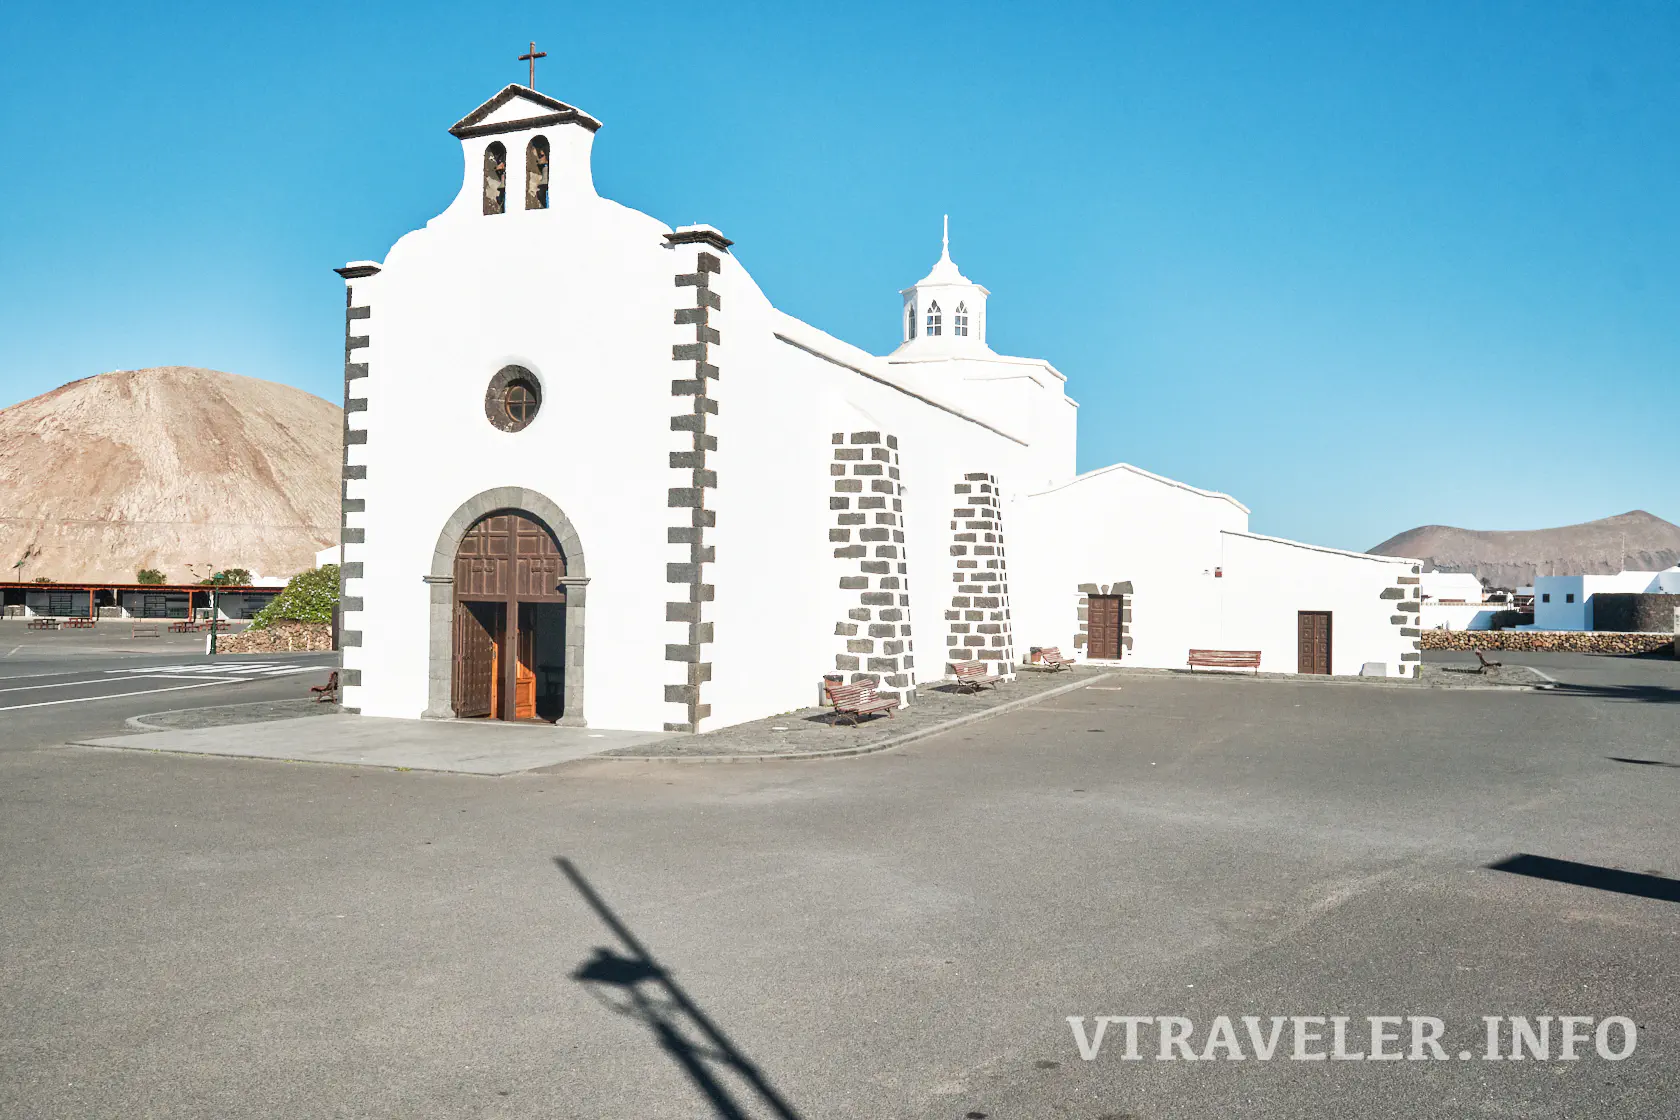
1268 580
1452 585
1116 524
1554 610
1460 616
1453 601
582 294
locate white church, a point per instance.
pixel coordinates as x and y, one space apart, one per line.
593 476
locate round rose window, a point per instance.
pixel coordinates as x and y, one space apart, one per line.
513 398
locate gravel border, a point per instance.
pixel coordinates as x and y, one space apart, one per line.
230 715
744 742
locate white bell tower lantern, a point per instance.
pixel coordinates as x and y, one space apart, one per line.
944 313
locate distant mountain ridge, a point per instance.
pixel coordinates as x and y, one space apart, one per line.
1633 541
181 469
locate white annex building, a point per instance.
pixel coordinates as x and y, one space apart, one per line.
593 475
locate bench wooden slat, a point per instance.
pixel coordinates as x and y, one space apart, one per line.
854 700
326 692
1052 657
972 676
1225 659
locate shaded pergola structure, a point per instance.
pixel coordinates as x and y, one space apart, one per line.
158 600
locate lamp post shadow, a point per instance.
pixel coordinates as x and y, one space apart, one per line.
631 982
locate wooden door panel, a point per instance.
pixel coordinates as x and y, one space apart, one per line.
504 562
473 679
1103 625
1313 642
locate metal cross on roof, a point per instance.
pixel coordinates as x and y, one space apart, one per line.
532 57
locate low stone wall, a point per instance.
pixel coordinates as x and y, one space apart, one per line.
282 637
1550 641
1640 613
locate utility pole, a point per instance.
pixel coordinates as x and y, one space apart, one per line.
214 590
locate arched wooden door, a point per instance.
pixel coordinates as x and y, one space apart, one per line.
510 623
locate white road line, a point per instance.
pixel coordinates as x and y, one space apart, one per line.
112 696
135 677
13 650
60 684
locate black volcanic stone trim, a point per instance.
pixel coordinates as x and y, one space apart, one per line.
875 636
689 498
699 237
1122 588
979 626
353 313
525 123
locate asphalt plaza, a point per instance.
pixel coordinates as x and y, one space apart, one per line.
901 934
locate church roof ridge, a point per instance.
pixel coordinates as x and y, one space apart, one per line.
559 113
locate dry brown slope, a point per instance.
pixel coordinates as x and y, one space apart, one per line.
181 469
1634 541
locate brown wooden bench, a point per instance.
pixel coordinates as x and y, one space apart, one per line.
185 627
1225 659
143 630
854 701
326 692
1053 660
43 624
79 623
972 676
1485 663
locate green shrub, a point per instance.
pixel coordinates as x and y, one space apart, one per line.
149 577
309 597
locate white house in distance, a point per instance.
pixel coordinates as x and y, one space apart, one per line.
1566 602
1454 601
593 475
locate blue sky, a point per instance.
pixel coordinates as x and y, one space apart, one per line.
1362 266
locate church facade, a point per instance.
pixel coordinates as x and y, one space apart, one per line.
592 475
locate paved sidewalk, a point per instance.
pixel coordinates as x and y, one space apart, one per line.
453 746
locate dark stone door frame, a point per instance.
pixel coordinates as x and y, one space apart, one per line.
441 579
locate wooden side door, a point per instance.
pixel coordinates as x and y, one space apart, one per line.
524 670
1102 618
1313 642
472 686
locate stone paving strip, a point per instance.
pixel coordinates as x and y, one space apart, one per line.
811 733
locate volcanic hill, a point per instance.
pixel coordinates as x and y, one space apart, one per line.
1635 541
185 470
